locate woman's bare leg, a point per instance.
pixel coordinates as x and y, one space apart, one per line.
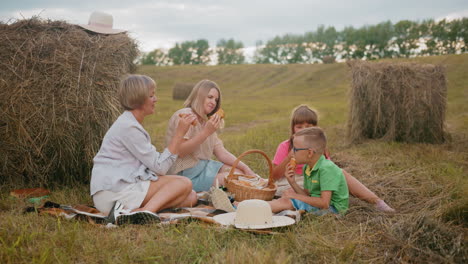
167 192
190 200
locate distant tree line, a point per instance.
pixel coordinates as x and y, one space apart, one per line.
325 45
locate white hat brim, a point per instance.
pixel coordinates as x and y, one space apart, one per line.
101 30
228 219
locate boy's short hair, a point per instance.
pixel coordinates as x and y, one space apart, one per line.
303 114
134 89
314 137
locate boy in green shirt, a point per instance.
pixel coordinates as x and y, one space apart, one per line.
325 189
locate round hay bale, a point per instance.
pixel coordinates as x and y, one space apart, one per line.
181 91
58 97
328 59
397 102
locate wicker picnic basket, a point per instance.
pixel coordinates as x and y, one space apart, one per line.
242 192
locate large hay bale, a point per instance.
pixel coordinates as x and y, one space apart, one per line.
328 59
58 86
181 91
397 102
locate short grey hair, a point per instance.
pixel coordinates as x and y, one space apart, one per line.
134 90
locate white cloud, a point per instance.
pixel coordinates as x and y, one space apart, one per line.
454 15
162 23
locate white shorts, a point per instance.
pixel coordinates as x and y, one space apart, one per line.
131 197
283 184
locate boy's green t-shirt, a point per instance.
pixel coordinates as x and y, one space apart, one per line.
326 176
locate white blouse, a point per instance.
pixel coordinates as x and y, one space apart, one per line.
127 156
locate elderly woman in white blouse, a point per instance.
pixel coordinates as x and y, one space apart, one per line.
128 170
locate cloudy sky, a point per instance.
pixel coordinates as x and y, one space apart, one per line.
160 24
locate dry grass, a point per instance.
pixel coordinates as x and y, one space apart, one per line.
429 226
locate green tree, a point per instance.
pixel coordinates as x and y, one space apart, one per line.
384 40
406 36
230 52
378 37
283 50
156 57
190 52
463 34
202 52
354 41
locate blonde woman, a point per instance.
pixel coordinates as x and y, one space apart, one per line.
201 141
128 172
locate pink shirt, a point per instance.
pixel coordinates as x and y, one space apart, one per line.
282 152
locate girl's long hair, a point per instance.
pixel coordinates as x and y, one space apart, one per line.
198 95
302 114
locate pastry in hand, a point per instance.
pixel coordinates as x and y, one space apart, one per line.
220 112
182 115
292 163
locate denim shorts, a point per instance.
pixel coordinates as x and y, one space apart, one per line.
300 205
203 174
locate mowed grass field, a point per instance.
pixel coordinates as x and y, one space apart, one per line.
426 184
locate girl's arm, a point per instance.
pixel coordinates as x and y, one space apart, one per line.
280 169
226 157
281 159
189 146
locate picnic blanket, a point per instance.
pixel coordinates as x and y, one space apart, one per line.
202 212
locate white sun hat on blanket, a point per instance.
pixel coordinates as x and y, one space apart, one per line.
253 214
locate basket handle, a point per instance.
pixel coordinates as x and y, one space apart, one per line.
234 165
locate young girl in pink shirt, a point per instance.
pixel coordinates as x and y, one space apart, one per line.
303 117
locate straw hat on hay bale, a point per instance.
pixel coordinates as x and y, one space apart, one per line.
397 102
101 22
58 86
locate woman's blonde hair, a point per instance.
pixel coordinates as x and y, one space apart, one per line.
303 114
197 97
134 90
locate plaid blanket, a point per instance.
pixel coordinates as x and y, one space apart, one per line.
202 212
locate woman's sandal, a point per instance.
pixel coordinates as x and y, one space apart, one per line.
137 218
220 200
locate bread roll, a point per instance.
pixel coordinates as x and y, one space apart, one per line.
220 112
182 115
293 163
